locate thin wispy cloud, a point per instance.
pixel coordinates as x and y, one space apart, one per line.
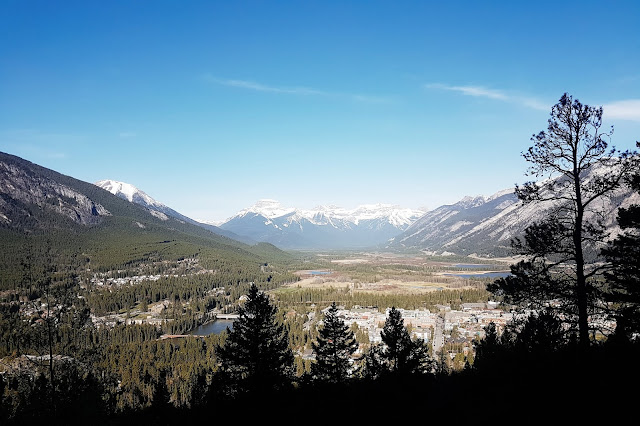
500 95
295 90
623 110
469 90
252 85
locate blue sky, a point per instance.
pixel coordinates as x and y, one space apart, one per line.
209 106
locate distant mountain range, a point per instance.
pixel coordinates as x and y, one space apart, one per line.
324 227
480 225
34 199
472 225
485 225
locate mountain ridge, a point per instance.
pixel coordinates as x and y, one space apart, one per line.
135 195
34 199
485 225
324 227
79 222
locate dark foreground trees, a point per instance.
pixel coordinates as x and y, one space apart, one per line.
623 278
398 354
334 349
581 171
256 357
525 341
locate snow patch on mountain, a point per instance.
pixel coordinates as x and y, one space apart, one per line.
333 215
459 225
128 192
159 215
486 225
267 208
159 210
324 226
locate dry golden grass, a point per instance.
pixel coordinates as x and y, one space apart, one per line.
387 286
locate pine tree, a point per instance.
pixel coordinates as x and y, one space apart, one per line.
624 277
488 348
256 356
334 348
374 364
443 367
399 354
579 171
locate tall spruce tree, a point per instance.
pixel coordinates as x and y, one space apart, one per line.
398 354
256 357
487 348
334 348
624 277
579 171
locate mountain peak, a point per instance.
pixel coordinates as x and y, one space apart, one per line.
128 192
323 226
268 208
469 202
485 225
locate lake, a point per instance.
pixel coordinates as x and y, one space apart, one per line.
473 265
215 327
483 275
320 272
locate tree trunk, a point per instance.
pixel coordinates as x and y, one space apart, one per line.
581 290
581 282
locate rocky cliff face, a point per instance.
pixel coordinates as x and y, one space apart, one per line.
486 225
27 196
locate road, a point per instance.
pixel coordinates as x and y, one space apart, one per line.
438 335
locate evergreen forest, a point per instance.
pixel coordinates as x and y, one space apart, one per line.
96 322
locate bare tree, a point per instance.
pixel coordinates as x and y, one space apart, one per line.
576 170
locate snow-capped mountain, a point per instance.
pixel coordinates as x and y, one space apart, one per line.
134 195
157 209
323 226
453 228
485 225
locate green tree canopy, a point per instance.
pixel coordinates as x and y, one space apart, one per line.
398 354
623 253
256 356
335 345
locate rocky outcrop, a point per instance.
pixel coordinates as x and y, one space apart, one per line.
22 191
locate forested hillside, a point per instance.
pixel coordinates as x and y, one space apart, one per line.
49 217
